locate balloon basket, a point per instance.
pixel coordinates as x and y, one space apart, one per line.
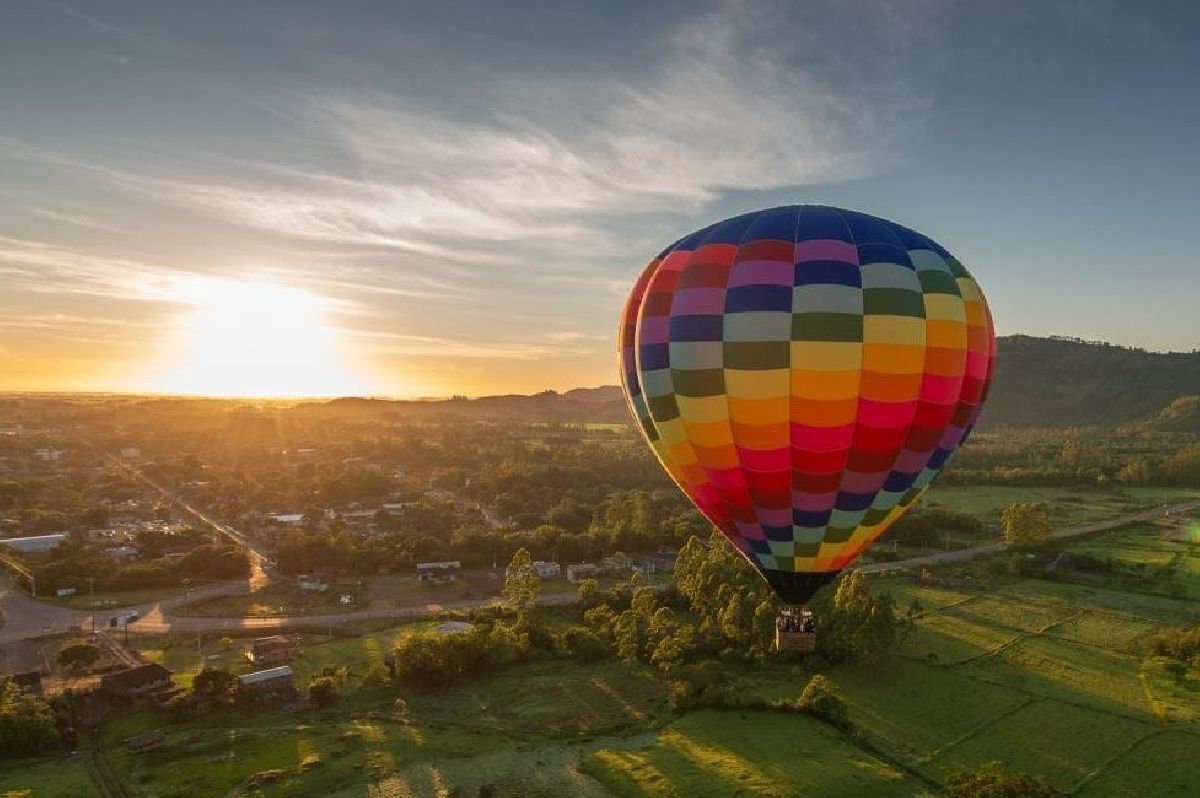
795 631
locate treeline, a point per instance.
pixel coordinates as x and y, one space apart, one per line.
71 565
629 522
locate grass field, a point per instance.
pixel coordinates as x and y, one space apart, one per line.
736 753
60 777
1050 676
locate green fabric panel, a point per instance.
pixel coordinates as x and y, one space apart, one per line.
827 327
663 408
835 534
807 550
758 354
699 382
892 302
938 283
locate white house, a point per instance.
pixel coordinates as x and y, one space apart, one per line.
583 570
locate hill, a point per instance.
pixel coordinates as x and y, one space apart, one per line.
1039 383
1181 416
1059 382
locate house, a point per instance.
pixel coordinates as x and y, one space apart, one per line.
269 650
438 573
144 741
288 519
581 571
37 544
136 681
269 683
397 508
548 570
29 682
48 455
131 453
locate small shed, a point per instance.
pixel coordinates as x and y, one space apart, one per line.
136 681
269 683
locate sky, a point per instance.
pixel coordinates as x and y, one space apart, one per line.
426 199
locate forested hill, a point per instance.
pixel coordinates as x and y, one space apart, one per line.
1039 382
1056 382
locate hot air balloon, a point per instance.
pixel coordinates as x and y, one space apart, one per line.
804 373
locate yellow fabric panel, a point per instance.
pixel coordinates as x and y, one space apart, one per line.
672 432
893 358
760 411
944 306
756 383
823 385
826 355
894 330
969 289
703 408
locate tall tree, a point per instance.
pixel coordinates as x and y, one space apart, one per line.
521 582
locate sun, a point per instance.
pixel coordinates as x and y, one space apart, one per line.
254 339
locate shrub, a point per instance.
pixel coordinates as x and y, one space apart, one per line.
821 699
990 781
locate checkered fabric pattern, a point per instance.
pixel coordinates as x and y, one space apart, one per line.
804 373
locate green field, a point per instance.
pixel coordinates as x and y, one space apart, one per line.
58 777
1051 676
738 753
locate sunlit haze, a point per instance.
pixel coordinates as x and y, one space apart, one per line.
254 339
279 198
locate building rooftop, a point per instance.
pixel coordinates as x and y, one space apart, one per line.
265 676
136 677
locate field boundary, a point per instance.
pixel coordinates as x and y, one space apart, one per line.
1106 764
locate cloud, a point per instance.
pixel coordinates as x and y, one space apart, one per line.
554 159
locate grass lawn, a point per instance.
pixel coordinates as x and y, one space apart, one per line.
47 778
1165 764
951 636
120 598
760 753
1059 741
444 739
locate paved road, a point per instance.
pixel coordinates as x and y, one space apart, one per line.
28 617
260 562
961 555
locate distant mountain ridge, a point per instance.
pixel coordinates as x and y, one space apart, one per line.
1039 383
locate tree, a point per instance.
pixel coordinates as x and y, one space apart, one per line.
858 626
77 656
214 683
322 691
821 699
1026 525
27 723
990 781
521 582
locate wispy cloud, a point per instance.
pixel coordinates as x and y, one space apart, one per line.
553 158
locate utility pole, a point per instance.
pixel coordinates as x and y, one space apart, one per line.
92 601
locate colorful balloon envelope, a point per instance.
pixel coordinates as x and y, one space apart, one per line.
804 373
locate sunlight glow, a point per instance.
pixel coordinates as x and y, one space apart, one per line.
257 339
